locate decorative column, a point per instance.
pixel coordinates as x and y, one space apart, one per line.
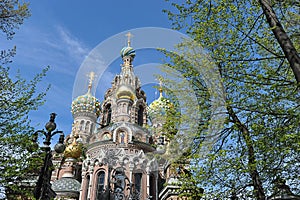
90 184
81 188
148 181
131 167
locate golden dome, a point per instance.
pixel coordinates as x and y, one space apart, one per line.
73 150
125 92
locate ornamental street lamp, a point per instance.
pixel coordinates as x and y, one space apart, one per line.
43 189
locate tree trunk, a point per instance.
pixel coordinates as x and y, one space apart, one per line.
282 38
257 184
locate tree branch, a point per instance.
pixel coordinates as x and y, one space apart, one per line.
282 38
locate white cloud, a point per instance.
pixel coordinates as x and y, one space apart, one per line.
54 46
63 52
75 48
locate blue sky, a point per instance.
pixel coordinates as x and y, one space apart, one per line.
61 34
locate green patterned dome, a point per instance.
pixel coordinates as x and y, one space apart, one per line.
128 51
164 117
161 107
86 103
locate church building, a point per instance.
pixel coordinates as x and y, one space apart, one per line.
113 150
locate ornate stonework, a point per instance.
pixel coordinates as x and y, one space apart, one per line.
117 159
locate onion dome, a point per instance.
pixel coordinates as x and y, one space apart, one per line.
127 51
125 92
161 107
73 150
163 117
87 102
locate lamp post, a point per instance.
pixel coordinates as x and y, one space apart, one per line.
43 189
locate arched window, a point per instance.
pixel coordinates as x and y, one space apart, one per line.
87 127
81 127
122 137
119 179
152 185
141 115
108 114
100 185
92 127
137 182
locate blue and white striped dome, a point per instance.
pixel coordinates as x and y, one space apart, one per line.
127 51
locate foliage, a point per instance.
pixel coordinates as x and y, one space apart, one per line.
260 140
12 15
19 153
18 158
282 38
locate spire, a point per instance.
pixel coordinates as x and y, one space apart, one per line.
91 78
127 54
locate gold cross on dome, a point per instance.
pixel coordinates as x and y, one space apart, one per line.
129 35
160 82
160 87
91 76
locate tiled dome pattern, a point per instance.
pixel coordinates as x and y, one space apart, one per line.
86 103
161 107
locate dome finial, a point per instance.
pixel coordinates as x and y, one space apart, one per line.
87 102
91 78
128 53
129 35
